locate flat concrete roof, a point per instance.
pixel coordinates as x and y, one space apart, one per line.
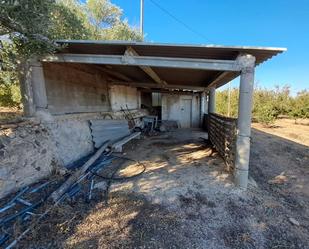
173 76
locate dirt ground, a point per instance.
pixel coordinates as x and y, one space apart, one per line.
287 128
9 115
186 199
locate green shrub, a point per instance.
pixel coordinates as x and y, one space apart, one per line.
268 104
9 84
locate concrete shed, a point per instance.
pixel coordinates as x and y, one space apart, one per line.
91 78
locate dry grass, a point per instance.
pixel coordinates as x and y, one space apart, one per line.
287 128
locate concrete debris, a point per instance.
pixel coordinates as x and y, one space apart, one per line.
294 221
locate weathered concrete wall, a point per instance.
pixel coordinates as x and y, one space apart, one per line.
30 151
26 155
72 138
72 90
120 96
171 108
71 133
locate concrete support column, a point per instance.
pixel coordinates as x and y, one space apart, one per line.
32 85
247 64
26 89
38 84
202 108
212 100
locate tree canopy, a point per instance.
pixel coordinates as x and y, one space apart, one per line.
30 27
33 25
268 104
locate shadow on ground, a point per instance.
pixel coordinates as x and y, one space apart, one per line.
185 199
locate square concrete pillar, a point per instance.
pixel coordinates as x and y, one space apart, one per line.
32 86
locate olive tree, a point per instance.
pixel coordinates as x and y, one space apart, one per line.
31 27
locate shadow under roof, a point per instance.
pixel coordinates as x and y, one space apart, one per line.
173 76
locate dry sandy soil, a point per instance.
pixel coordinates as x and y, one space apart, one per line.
186 199
287 128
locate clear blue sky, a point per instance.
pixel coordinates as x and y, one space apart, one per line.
274 23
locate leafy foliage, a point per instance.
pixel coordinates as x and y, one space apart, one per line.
300 105
69 21
9 85
27 22
268 105
222 100
31 26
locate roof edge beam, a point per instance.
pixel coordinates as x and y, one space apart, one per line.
148 70
151 61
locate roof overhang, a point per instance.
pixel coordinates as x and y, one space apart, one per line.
161 66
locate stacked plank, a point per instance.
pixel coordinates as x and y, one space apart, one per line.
104 129
222 134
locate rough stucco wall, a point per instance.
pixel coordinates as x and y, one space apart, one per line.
170 107
171 104
72 139
26 155
120 96
31 151
70 90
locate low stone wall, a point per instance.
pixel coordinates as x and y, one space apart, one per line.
32 149
222 134
26 155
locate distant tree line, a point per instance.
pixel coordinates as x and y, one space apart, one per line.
268 104
30 27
